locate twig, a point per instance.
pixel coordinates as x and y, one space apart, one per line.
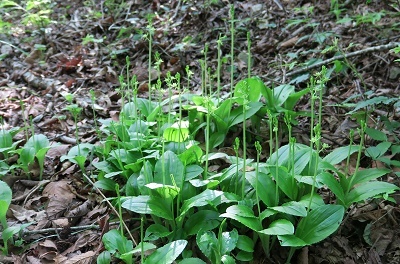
176 10
15 47
25 196
57 230
348 55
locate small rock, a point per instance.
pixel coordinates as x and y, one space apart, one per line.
394 73
6 50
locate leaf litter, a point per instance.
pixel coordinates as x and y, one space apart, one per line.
61 201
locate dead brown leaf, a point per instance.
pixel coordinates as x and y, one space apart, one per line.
60 195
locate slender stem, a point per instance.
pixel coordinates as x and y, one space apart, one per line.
150 38
232 20
362 135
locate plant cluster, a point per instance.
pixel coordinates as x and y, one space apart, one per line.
155 153
155 165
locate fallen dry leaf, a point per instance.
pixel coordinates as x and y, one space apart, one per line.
60 196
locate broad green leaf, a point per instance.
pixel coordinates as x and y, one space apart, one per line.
167 254
369 190
145 177
167 192
105 184
249 88
226 259
329 180
285 181
37 142
27 155
192 171
156 231
368 174
147 108
188 191
107 175
129 111
241 210
143 246
201 199
82 149
5 140
291 241
4 168
104 166
294 97
245 243
265 186
291 208
279 227
379 150
237 115
244 256
309 180
12 230
217 138
315 202
5 200
376 134
208 244
320 223
301 160
281 93
228 241
221 115
120 130
191 155
5 193
125 156
114 241
339 154
202 220
284 157
8 3
267 213
244 215
131 186
169 170
176 134
104 258
140 127
144 204
373 152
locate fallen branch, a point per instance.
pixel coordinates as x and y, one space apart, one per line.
348 55
56 230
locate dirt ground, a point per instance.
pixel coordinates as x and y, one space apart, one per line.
287 39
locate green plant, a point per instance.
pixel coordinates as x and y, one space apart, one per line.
7 147
154 164
5 200
217 250
35 12
36 147
335 9
9 232
370 18
117 245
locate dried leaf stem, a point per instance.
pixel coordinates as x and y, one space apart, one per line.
348 55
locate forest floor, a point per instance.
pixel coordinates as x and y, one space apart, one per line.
83 51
